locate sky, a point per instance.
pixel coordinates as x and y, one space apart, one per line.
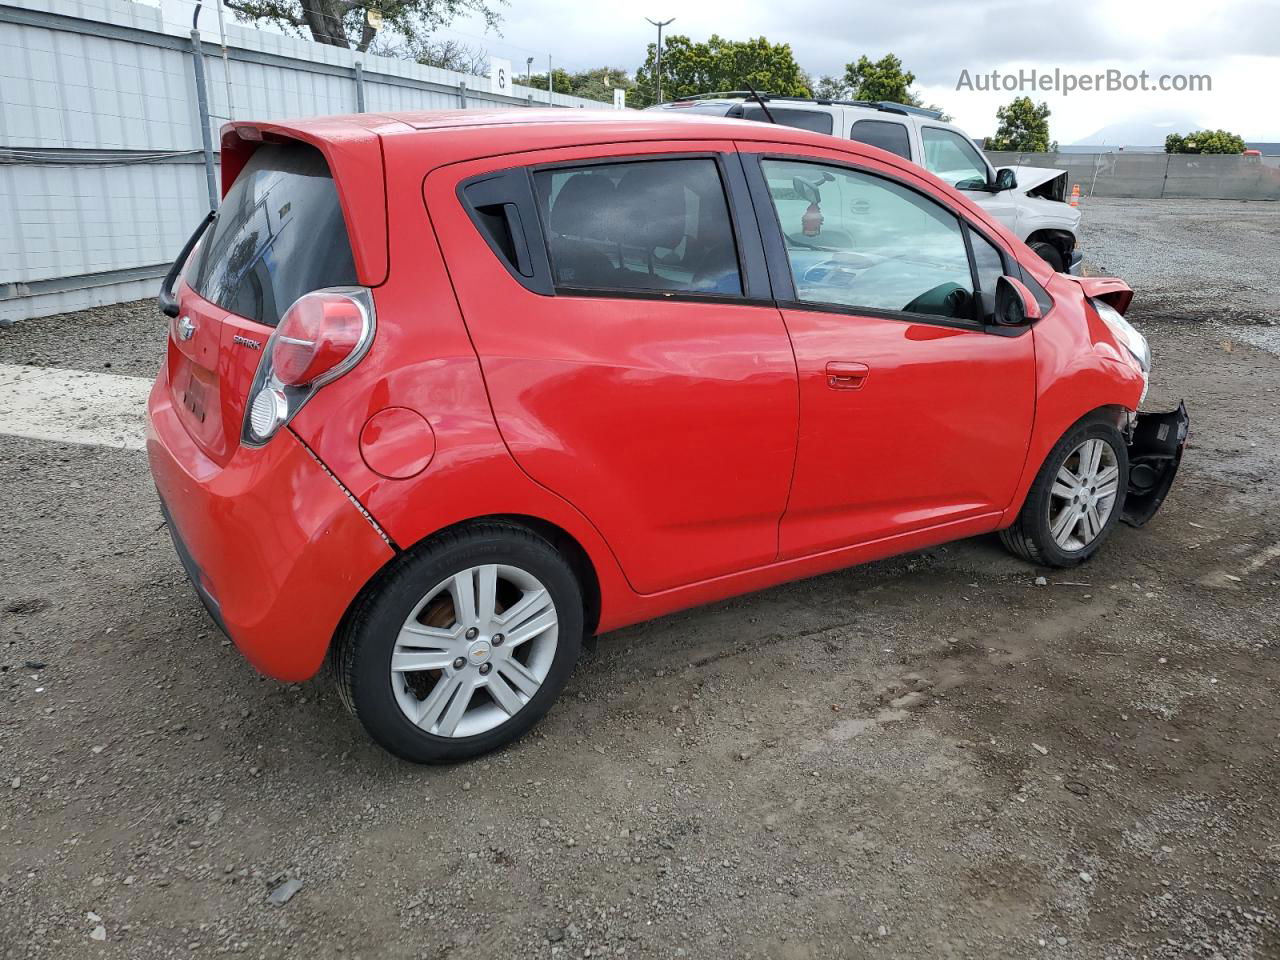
1236 43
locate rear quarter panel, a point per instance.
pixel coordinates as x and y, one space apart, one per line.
422 359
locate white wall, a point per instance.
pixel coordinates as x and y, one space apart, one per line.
81 81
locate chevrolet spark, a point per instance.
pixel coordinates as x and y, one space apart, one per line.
445 392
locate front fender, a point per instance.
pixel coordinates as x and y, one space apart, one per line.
1079 371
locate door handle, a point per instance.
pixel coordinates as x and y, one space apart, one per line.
847 374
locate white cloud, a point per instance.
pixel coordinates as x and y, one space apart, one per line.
1233 41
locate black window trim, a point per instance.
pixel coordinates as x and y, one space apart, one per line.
780 264
897 123
511 185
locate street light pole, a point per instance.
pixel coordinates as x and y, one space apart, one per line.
658 70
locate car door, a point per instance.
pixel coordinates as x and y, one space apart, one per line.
952 157
913 412
635 361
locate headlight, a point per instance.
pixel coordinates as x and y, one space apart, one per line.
1126 333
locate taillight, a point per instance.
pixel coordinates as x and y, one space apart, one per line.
315 335
320 337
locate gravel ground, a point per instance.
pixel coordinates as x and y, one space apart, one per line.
1189 259
926 757
126 338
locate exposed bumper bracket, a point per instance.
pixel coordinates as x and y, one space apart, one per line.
1155 452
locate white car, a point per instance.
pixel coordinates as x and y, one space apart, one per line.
1030 201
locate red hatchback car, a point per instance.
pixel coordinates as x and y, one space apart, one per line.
446 391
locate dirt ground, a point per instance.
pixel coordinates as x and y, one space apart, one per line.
927 757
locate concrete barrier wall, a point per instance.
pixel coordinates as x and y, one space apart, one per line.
1155 175
102 166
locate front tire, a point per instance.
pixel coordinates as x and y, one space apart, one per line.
1049 254
463 645
1076 500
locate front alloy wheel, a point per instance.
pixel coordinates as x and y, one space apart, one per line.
1083 495
1076 498
463 643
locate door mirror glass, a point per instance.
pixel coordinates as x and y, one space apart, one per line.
1006 179
1015 306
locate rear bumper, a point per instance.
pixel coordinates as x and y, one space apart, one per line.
275 548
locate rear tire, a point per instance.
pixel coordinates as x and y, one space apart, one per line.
1049 254
462 645
1073 505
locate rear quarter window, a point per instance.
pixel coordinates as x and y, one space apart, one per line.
279 234
816 120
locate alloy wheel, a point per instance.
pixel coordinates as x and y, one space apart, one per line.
474 650
1083 494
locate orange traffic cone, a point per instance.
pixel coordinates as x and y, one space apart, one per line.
1075 195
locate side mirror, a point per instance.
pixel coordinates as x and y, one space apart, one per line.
1006 179
1015 306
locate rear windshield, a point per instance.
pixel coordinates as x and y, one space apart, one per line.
279 234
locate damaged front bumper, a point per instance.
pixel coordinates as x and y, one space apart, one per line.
1156 441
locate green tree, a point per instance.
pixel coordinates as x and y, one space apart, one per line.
445 54
595 84
690 68
827 87
355 23
561 79
1024 126
1204 141
883 79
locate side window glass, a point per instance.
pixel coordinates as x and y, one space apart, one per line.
659 225
987 262
816 120
856 240
988 265
953 158
884 134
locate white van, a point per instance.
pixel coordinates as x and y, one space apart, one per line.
1030 201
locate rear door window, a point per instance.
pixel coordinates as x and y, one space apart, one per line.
884 134
279 234
659 225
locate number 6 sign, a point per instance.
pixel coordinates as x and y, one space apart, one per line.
500 76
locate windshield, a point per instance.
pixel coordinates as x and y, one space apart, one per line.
279 234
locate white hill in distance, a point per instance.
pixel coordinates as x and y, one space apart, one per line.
1139 132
